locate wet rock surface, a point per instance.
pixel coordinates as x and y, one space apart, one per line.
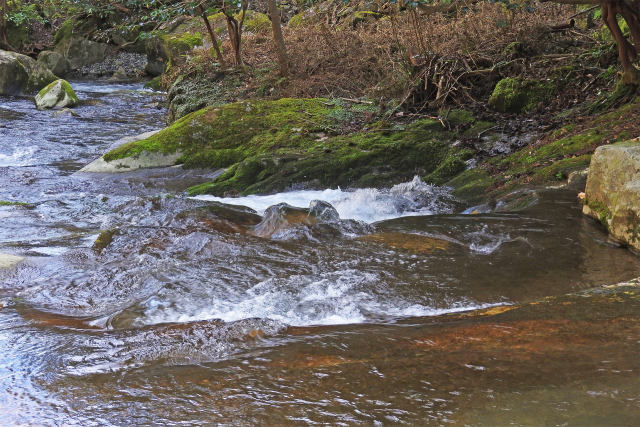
613 190
56 95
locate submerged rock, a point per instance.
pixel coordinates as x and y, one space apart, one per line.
280 217
22 74
9 261
613 190
58 94
64 111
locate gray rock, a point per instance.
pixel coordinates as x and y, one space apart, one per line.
613 190
144 160
80 52
22 74
323 211
13 74
58 94
157 58
54 61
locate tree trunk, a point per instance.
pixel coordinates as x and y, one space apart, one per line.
626 51
234 27
4 43
212 36
235 37
276 26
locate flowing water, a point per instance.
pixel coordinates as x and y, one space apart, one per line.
375 306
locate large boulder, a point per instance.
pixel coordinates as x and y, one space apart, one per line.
54 61
58 94
22 74
80 52
613 190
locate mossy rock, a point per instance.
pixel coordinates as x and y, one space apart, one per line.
562 152
270 146
64 32
58 94
22 74
154 84
515 95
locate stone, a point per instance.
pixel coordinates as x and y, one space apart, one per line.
323 211
144 160
612 194
157 58
54 61
281 217
22 74
119 75
9 261
58 94
13 74
65 111
80 52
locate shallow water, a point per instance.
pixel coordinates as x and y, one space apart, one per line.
394 308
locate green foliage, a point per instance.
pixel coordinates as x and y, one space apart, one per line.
22 13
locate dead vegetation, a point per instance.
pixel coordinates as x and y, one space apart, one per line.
418 60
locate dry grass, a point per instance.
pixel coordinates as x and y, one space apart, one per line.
456 57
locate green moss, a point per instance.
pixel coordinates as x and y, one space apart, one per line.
8 203
603 212
177 45
256 21
514 95
271 145
66 87
362 16
298 20
154 84
196 91
559 170
65 31
514 50
471 185
104 239
459 117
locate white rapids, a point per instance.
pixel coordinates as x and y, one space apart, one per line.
367 204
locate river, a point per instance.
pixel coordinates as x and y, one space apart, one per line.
398 306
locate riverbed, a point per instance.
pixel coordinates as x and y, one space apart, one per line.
136 304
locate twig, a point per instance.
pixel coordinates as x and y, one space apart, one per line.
584 11
357 101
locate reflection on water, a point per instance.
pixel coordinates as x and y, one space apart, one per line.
384 307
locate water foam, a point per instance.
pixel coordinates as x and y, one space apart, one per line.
339 297
366 204
20 157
